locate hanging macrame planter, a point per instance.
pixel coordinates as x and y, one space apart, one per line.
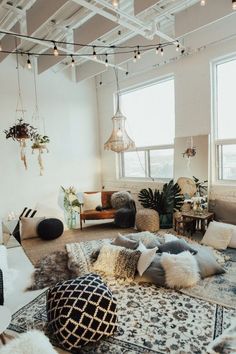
21 132
40 144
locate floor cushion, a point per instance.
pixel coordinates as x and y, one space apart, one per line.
175 247
154 274
49 229
125 217
217 235
81 311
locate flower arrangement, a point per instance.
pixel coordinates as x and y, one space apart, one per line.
71 202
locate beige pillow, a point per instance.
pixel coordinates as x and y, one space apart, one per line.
217 236
91 201
28 227
146 257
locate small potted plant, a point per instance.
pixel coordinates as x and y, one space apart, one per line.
21 130
40 141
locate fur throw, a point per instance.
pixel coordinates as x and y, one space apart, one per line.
32 342
120 199
181 270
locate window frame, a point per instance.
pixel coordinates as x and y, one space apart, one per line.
145 149
217 166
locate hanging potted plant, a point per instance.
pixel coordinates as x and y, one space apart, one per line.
40 142
165 202
21 130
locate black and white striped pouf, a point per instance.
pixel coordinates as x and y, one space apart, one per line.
80 311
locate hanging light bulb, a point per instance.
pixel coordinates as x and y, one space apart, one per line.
106 62
29 62
94 54
119 140
138 53
203 2
234 5
55 51
115 4
177 46
157 50
135 57
162 51
72 61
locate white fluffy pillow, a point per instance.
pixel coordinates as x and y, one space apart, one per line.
217 236
232 242
181 270
91 201
146 257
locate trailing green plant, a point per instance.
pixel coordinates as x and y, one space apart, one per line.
21 130
40 140
201 186
166 201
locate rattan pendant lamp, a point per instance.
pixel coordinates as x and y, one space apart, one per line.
119 140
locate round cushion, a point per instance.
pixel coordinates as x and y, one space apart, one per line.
49 229
81 311
120 199
125 217
147 220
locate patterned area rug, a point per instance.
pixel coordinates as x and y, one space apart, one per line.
151 320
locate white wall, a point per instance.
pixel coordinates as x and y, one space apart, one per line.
70 112
192 99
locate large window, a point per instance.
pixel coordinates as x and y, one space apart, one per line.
225 120
150 113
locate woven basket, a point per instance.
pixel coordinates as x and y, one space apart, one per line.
147 220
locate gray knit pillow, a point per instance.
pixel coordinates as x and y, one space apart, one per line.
120 199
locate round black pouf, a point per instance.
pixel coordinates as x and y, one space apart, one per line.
49 229
125 217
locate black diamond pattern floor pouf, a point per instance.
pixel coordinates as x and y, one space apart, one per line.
80 311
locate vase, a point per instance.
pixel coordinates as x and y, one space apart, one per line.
166 221
71 219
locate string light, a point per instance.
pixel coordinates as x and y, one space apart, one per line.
135 57
203 2
29 62
138 53
162 51
177 46
55 50
94 54
115 4
72 61
106 62
234 5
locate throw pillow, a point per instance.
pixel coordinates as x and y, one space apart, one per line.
120 199
207 263
146 257
49 229
232 242
118 261
154 274
91 200
149 239
27 213
175 247
28 227
123 241
80 311
32 342
217 236
181 270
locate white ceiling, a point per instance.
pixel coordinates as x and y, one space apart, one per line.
96 22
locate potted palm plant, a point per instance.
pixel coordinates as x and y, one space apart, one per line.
165 202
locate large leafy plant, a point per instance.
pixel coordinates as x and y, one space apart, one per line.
166 201
201 186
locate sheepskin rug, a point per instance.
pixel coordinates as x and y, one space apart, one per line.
181 270
32 342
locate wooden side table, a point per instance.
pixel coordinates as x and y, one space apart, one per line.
5 320
201 220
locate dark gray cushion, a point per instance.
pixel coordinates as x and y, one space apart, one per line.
224 211
207 262
176 247
125 242
154 274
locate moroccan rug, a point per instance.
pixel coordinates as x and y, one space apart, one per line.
150 320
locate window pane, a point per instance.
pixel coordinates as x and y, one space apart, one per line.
134 164
228 158
161 163
150 113
226 108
